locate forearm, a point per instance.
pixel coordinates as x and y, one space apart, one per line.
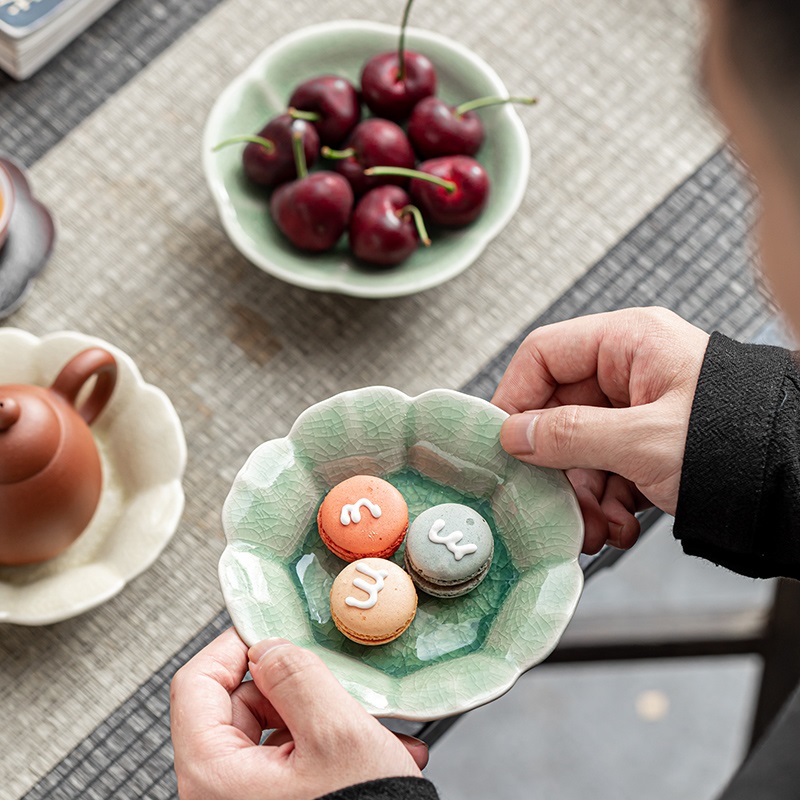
739 501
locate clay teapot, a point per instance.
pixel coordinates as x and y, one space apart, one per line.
50 474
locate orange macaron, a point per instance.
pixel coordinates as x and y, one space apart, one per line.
373 601
363 517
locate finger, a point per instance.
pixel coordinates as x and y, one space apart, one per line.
278 737
589 485
587 437
200 693
562 353
619 504
583 393
252 712
417 748
304 692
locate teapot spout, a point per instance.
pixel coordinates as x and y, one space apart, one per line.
9 412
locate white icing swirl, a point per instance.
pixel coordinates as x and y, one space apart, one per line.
451 540
351 511
371 589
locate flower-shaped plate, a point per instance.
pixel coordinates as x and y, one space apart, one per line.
341 48
441 446
143 456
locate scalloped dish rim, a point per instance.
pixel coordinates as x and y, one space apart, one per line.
441 710
341 282
117 576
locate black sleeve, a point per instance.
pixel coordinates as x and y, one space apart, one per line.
387 789
739 499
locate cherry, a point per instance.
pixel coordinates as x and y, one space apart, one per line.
331 103
312 212
268 159
449 191
437 129
385 228
373 142
393 83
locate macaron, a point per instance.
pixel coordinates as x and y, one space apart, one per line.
363 517
373 601
449 550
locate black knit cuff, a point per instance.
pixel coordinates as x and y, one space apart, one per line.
727 479
387 789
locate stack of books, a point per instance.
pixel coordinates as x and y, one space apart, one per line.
33 31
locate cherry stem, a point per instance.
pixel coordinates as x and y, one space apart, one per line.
450 186
265 143
308 116
418 222
299 152
401 53
337 155
482 102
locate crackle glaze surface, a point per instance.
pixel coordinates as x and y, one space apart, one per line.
341 48
439 447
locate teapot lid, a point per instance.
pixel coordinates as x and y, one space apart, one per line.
30 433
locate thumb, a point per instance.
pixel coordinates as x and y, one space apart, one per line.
303 691
588 437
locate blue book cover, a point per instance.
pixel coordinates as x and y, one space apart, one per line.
18 18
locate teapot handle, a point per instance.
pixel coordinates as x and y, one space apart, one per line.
94 361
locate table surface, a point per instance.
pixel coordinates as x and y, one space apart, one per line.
630 202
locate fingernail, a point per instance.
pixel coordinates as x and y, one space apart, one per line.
518 433
257 651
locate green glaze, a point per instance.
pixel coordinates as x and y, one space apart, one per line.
342 48
458 653
442 630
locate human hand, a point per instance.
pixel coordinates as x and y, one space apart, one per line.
606 397
325 739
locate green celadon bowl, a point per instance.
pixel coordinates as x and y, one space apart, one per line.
341 48
439 447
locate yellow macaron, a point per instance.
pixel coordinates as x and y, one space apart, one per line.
373 601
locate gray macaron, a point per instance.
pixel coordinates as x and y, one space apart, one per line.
449 550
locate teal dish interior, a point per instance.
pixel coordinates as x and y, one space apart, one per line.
341 48
441 446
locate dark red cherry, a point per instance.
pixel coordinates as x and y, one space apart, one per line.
268 158
437 129
331 103
312 212
385 228
451 191
393 83
373 142
391 90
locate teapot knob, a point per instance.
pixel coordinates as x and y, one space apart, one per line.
9 412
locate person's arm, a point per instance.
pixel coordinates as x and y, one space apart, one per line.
739 498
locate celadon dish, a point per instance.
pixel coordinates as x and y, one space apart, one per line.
439 447
341 48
